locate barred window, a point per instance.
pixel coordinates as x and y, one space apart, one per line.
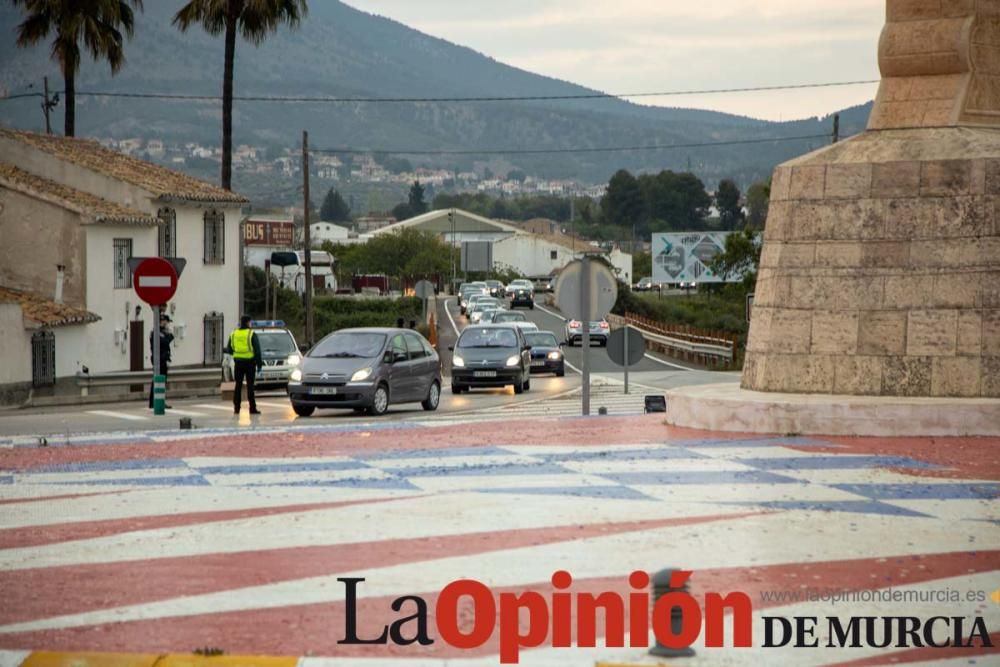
122 253
168 232
213 333
215 237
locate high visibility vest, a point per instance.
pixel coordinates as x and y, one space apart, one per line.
239 340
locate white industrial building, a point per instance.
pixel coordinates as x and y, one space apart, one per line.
73 214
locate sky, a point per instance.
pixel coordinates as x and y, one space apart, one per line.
622 46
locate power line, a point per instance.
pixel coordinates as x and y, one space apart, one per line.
21 95
549 151
488 98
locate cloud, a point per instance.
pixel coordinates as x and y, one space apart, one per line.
652 45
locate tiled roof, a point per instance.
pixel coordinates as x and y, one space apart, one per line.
94 209
45 311
163 182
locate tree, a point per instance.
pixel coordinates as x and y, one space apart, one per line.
517 175
741 256
623 203
334 209
96 24
727 200
254 19
758 199
677 200
416 199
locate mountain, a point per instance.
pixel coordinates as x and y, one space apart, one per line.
344 52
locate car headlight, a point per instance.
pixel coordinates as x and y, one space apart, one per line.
458 362
362 375
514 360
295 375
293 360
555 356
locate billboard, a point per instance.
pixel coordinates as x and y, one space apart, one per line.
477 255
686 257
278 233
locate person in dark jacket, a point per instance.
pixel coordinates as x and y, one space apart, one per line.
166 338
244 347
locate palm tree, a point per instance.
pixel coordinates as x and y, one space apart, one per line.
95 24
254 19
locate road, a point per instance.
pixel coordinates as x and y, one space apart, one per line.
549 396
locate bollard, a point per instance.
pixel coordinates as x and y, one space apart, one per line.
185 423
661 586
655 403
159 394
602 410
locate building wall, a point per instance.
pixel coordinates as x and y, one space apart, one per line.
531 255
36 237
622 261
327 231
15 346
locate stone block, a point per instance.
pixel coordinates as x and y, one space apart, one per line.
797 255
779 222
848 181
978 184
945 178
799 373
780 184
835 332
969 336
956 376
991 332
839 254
992 177
906 376
761 328
857 375
885 254
807 182
991 377
896 179
882 332
908 291
770 253
957 290
790 331
965 253
932 333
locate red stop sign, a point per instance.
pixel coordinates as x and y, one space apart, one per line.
155 280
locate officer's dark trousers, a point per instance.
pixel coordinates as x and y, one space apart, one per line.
245 369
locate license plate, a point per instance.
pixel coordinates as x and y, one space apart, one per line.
323 391
485 374
537 363
271 376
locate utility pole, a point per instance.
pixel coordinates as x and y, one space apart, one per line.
308 242
46 108
836 127
451 219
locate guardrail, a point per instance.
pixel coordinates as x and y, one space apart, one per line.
709 348
126 379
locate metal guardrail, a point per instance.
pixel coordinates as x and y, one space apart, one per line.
88 381
691 345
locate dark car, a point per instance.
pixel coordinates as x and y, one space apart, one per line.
368 370
546 353
496 288
523 297
494 355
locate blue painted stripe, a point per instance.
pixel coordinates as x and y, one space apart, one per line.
701 477
479 470
104 466
835 462
625 455
790 441
251 468
923 491
396 483
615 492
190 480
851 506
434 453
6 479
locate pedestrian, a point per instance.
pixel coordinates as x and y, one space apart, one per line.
244 347
166 338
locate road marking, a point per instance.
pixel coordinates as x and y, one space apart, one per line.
268 404
117 415
447 312
666 363
544 309
208 406
185 413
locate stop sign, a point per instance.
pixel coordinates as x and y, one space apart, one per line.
155 280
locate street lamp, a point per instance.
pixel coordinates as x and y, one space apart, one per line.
451 219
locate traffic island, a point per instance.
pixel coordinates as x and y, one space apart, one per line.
728 407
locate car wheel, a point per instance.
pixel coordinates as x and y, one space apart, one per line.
457 389
433 397
380 401
561 372
303 410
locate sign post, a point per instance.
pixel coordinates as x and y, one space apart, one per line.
626 347
424 291
155 282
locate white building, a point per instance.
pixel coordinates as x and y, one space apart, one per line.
73 214
320 232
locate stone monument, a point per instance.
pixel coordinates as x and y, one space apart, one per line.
880 269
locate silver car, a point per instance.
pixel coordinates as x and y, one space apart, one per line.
367 370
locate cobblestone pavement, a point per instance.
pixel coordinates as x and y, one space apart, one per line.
170 541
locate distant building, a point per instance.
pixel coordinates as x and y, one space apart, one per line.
319 232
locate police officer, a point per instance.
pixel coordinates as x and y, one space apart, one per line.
247 360
166 338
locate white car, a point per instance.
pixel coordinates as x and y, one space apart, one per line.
525 326
279 351
519 284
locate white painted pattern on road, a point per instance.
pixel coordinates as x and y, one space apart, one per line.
118 415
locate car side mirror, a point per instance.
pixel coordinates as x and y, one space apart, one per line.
527 348
451 348
398 356
562 343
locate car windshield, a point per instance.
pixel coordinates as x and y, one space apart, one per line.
541 339
487 338
510 317
350 344
275 343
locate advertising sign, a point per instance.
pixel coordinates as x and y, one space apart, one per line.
280 233
685 257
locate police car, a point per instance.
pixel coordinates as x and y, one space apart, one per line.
279 351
